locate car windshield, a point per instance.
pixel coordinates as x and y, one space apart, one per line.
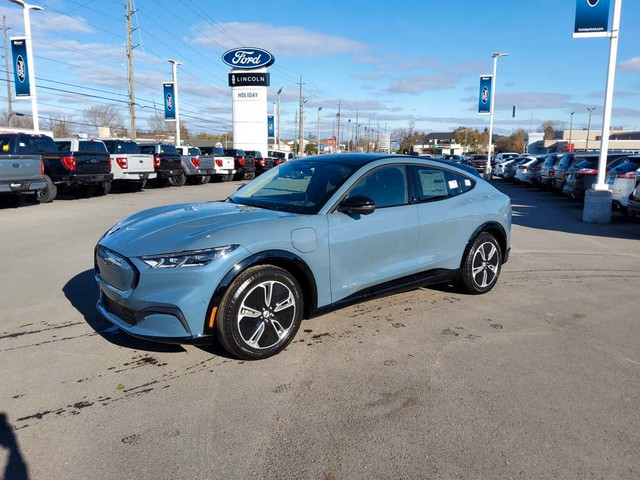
301 186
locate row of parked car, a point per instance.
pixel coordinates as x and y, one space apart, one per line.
38 164
572 174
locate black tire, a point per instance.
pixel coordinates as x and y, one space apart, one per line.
103 189
48 193
481 265
199 179
249 176
277 315
225 178
177 180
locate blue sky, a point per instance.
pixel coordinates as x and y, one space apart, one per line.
393 62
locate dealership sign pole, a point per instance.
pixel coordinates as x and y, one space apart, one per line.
23 65
171 96
592 18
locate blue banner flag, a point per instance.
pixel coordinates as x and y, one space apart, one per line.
169 101
484 102
592 16
20 67
271 129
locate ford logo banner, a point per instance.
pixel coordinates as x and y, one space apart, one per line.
248 58
15 165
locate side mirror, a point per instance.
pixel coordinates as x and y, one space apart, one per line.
358 204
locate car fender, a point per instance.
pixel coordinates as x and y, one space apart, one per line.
279 258
497 230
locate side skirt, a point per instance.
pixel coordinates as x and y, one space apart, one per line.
411 282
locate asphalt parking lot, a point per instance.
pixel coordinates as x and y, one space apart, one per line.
540 378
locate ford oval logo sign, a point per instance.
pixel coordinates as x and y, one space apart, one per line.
15 165
248 58
593 3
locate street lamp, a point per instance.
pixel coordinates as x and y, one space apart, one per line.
586 148
318 139
496 55
32 75
571 132
174 74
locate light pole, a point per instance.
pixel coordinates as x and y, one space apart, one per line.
174 74
278 100
586 148
32 75
318 139
496 55
571 132
349 141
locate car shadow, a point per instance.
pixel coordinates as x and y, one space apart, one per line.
546 210
16 467
82 293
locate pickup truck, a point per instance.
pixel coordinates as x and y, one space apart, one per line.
167 162
81 173
245 167
261 163
20 175
223 166
197 168
131 169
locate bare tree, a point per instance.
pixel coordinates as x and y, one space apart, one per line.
158 125
17 120
406 137
104 116
61 125
549 129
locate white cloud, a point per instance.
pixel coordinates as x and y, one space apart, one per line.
631 65
279 40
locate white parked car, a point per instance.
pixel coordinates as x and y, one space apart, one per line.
503 156
498 169
622 180
523 170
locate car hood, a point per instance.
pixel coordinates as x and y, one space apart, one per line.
177 228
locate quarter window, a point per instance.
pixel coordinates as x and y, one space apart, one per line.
434 183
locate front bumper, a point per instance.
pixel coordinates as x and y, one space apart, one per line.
166 304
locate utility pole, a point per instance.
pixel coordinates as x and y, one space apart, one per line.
130 47
338 119
6 64
318 139
295 122
301 128
279 135
357 128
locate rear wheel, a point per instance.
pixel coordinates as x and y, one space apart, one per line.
48 193
481 265
225 178
134 186
177 180
83 191
260 313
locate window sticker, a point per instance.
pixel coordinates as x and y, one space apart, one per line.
467 183
5 148
453 184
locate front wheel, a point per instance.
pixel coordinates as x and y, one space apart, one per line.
260 313
481 265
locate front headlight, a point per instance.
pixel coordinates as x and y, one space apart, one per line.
194 258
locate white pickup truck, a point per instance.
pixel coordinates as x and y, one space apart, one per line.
223 166
131 169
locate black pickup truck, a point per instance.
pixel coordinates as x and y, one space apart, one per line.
245 166
167 162
81 173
